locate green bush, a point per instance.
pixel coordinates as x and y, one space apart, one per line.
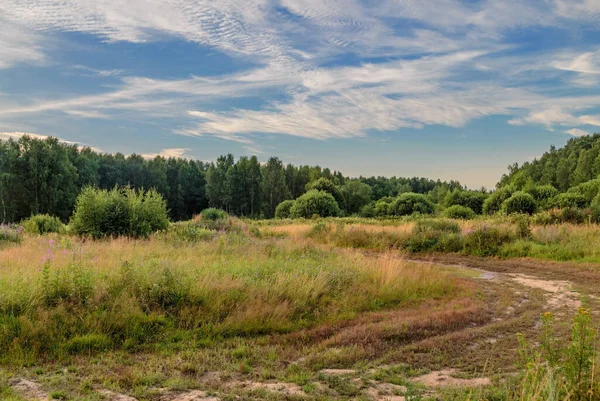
459 212
313 203
368 210
410 203
282 211
119 212
43 224
214 214
472 199
569 200
486 240
434 235
493 203
519 203
382 207
326 185
542 194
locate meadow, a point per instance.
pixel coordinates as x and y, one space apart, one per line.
325 309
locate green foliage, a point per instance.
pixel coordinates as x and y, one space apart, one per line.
589 189
410 203
471 199
542 194
283 209
89 343
214 214
313 203
494 202
187 231
459 212
559 372
355 195
368 211
569 200
382 207
126 212
325 185
434 235
486 240
43 224
519 203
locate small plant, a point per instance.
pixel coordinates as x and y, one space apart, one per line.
43 224
519 203
411 203
459 212
282 211
486 240
314 202
214 214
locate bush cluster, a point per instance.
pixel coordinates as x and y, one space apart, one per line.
459 212
411 203
119 212
43 224
315 203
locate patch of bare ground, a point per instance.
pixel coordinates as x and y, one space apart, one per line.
560 296
288 389
386 392
112 396
28 389
196 395
446 378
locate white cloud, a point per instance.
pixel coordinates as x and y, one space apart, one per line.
428 78
576 132
171 152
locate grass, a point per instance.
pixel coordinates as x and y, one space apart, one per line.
66 296
499 237
278 302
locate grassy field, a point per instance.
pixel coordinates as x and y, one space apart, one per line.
299 310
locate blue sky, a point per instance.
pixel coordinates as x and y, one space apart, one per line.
439 88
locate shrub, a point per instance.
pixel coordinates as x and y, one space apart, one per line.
519 203
214 214
282 211
410 203
493 203
368 210
589 189
569 200
43 224
315 202
382 207
542 194
434 235
486 241
325 185
459 212
472 199
119 212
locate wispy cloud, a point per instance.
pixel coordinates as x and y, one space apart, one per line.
450 64
576 132
167 153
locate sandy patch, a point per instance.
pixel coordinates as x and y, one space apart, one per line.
28 389
338 372
195 395
112 396
277 387
560 291
444 378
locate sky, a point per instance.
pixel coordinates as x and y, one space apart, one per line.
443 89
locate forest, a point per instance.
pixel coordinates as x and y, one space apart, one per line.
46 176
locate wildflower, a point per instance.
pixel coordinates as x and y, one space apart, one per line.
95 259
51 242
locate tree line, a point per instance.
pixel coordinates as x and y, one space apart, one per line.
45 176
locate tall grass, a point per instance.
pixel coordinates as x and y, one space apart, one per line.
62 295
